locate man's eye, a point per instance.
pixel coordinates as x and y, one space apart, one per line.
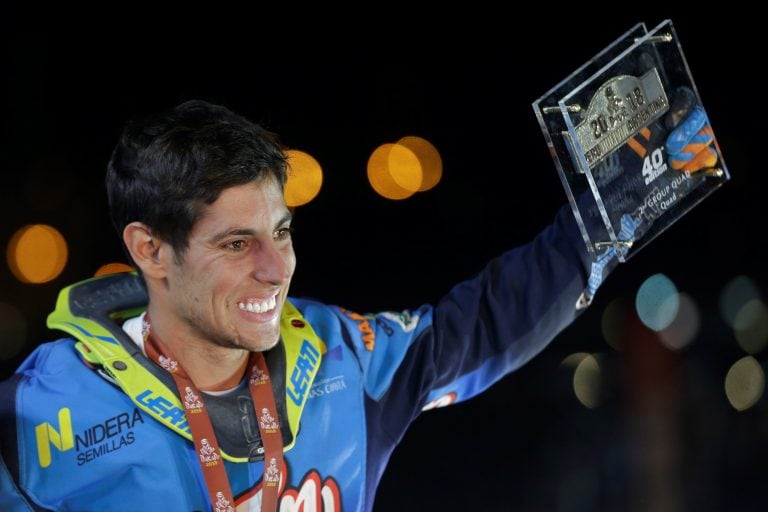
283 233
236 245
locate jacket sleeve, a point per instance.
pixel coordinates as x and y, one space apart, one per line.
481 330
493 324
12 499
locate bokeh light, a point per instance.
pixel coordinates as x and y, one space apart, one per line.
113 268
429 159
397 171
586 378
573 360
37 253
613 322
381 178
657 302
684 327
751 326
405 167
13 331
587 381
744 383
305 178
738 291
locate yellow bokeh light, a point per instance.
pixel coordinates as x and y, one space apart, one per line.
429 158
380 177
744 383
573 360
113 268
305 177
37 253
586 382
586 378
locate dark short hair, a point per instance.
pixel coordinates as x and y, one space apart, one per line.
167 167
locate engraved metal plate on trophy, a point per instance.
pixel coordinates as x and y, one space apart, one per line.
631 141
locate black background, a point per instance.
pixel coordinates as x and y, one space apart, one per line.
665 437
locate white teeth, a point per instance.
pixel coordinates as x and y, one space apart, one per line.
259 307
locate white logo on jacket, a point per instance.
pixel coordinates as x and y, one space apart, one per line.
404 319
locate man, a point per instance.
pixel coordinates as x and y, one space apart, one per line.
183 379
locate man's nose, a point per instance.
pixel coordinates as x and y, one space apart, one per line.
271 263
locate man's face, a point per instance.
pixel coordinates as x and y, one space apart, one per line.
232 284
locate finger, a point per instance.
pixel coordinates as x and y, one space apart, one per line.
682 103
628 225
683 134
704 159
698 143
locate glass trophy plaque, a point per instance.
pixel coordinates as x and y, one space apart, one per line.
631 141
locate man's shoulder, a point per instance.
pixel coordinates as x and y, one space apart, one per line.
327 319
51 379
51 357
47 370
37 380
314 311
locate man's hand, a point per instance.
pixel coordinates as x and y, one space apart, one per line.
689 145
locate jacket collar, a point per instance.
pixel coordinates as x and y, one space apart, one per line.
92 310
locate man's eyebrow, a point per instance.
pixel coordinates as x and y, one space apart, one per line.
285 219
218 237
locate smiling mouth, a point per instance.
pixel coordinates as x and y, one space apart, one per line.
259 307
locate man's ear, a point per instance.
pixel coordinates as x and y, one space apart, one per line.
145 249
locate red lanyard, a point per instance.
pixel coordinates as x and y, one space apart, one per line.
209 455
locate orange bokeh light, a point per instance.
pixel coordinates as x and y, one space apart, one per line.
429 158
37 253
305 177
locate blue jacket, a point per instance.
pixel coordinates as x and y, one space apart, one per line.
111 435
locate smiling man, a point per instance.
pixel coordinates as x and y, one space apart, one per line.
178 382
220 298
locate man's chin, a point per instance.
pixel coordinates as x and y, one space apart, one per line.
262 343
268 346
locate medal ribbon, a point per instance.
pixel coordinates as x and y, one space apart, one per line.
209 454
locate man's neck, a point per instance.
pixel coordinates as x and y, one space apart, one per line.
213 368
210 366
